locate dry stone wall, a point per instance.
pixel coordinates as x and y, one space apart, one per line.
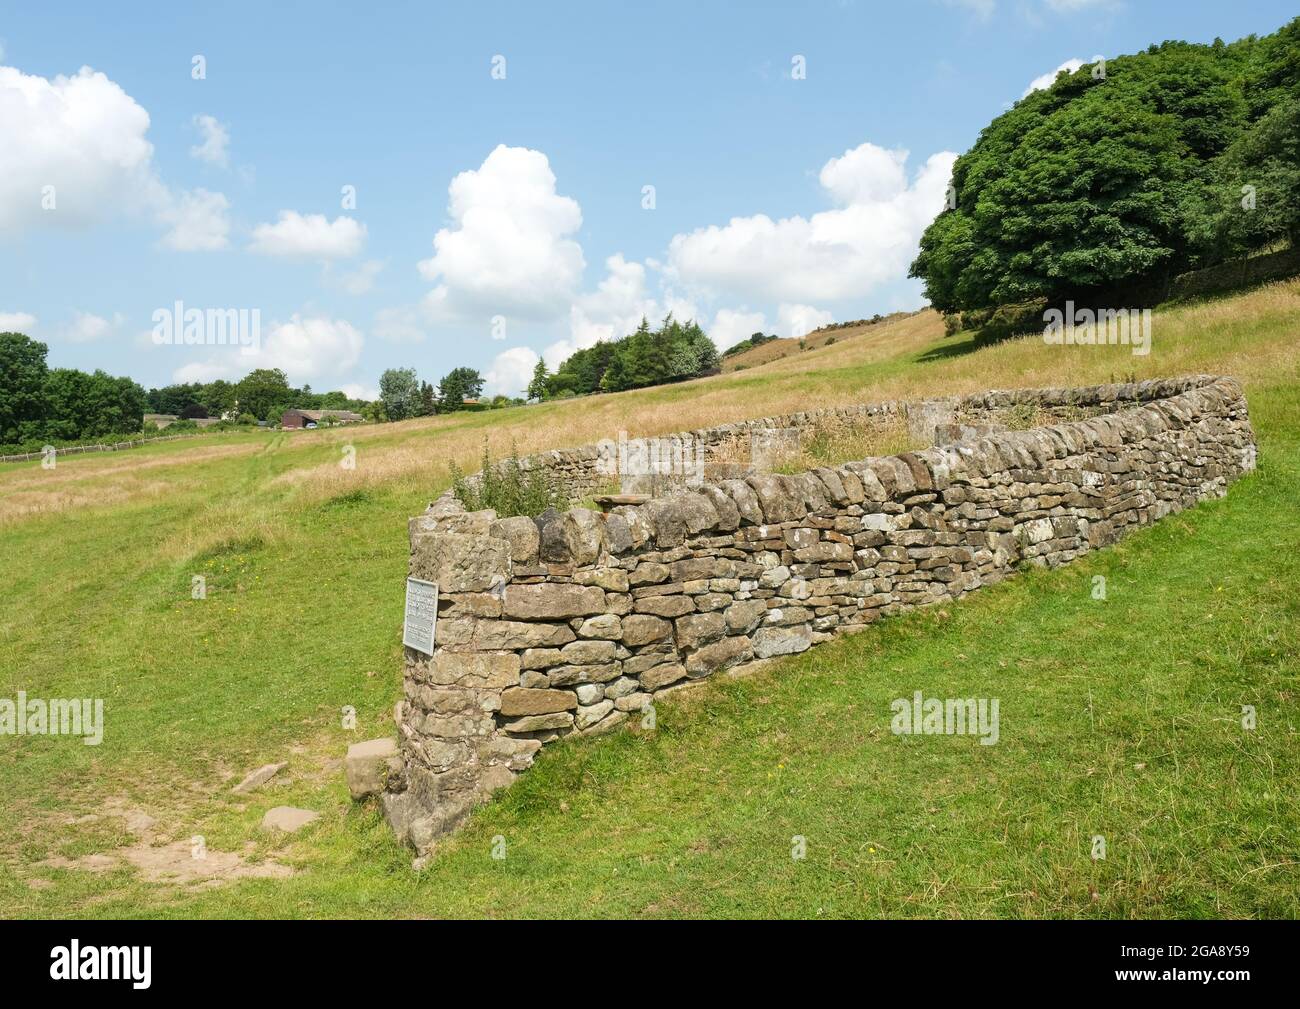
572 622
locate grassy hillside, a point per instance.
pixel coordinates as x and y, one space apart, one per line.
1119 718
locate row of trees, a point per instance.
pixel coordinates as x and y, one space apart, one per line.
264 394
41 404
672 353
1124 174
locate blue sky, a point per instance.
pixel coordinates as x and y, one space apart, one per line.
497 217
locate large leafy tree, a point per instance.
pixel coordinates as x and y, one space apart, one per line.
1096 186
399 390
457 386
265 393
22 387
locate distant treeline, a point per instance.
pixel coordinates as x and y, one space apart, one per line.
749 343
264 394
41 405
672 353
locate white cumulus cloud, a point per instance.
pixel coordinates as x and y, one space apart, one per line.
16 322
362 279
1048 79
731 325
311 349
215 148
309 236
75 153
616 307
198 220
87 327
508 250
510 372
800 320
355 390
865 241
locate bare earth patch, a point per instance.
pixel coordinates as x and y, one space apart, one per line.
174 863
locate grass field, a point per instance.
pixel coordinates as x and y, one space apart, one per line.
1119 717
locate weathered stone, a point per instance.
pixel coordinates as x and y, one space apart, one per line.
618 534
642 661
540 658
719 654
451 517
514 634
667 518
568 676
588 716
590 693
585 532
539 723
743 616
586 652
469 604
550 601
606 626
607 724
460 563
261 776
611 579
699 629
770 641
530 701
483 670
702 568
776 497
662 606
368 766
495 778
648 574
661 676
697 512
522 534
632 702
288 819
746 500
621 687
824 551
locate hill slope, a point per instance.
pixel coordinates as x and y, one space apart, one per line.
1119 719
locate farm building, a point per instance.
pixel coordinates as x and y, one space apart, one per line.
316 418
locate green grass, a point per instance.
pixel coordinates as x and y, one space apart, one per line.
1119 718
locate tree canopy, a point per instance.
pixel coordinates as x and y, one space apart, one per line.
672 353
1123 174
40 404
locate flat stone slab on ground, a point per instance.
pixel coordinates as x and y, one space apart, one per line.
259 777
288 819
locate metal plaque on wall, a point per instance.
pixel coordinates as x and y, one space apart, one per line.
421 615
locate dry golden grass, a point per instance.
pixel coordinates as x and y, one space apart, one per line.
1252 336
112 478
